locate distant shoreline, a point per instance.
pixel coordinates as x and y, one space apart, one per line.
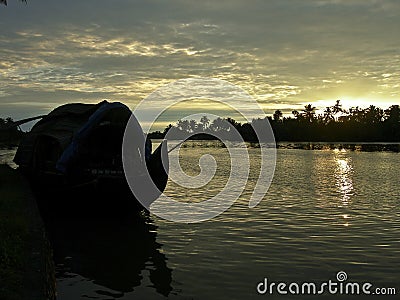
352 146
356 146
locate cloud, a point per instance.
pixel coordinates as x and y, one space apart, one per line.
283 53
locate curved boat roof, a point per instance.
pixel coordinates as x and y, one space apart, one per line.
68 123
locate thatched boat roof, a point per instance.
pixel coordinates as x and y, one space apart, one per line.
64 124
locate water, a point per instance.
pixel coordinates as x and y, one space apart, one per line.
326 211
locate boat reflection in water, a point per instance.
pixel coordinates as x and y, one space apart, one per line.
107 256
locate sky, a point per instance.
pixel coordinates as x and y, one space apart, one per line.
283 53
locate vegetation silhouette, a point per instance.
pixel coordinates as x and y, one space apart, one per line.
335 124
4 2
9 135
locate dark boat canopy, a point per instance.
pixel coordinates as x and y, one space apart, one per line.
66 126
78 145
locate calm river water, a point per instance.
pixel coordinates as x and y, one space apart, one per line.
326 211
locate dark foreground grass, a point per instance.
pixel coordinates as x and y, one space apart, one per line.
13 232
25 256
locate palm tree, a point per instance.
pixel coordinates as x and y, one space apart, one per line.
167 129
328 117
337 108
296 114
392 122
355 114
373 114
205 122
217 124
309 112
183 125
193 125
392 114
277 115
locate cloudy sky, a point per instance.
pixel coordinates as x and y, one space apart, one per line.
284 53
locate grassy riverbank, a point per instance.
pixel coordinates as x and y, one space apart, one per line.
25 255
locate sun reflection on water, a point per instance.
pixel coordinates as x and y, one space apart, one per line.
343 176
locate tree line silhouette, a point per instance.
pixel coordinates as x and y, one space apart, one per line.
9 135
4 2
335 124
